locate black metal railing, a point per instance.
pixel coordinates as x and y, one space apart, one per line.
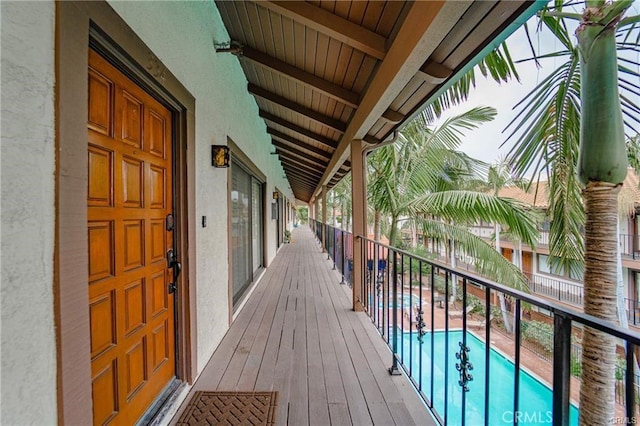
339 247
633 311
438 321
574 294
555 289
630 245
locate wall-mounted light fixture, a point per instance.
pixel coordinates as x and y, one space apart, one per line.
275 195
219 156
230 46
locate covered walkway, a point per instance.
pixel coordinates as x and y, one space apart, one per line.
299 336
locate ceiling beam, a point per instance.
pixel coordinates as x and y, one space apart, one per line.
318 84
302 177
302 195
434 73
287 162
323 140
306 169
332 25
323 120
300 184
392 116
416 39
308 184
296 153
300 156
298 143
296 185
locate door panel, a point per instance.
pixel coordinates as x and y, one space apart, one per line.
527 262
129 196
507 253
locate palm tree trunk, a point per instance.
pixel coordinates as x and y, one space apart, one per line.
376 225
600 281
394 231
503 303
454 282
622 309
414 234
333 211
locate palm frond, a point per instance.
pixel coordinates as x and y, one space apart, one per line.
468 206
498 64
487 261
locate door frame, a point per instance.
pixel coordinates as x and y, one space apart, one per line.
80 25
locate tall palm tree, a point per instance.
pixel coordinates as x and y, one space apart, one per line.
574 126
419 175
421 159
341 197
499 176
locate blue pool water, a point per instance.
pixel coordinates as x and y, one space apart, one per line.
535 401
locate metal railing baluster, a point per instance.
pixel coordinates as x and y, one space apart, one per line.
393 370
561 369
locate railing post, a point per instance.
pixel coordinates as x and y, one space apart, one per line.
630 388
393 370
333 231
342 255
561 369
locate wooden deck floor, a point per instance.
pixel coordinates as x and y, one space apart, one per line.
298 335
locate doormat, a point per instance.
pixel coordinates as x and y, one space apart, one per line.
230 408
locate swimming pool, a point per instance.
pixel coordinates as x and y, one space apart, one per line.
535 398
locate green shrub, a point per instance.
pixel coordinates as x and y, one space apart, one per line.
414 265
475 305
576 367
621 368
539 333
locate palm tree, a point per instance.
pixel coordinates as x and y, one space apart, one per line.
573 126
499 176
417 161
419 175
341 197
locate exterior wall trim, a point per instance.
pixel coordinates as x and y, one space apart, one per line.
76 24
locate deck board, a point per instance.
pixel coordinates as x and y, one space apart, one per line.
298 335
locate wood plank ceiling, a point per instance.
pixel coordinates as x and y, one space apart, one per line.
326 72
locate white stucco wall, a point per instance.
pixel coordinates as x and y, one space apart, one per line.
182 34
28 355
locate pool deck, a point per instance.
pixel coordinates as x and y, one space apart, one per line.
298 335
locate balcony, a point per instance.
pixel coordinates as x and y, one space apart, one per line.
298 335
438 320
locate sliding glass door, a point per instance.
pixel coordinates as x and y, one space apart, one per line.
246 229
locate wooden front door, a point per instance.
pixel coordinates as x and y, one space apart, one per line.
129 198
527 262
507 253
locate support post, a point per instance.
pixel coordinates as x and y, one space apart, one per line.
358 182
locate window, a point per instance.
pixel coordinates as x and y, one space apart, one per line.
543 264
545 267
246 229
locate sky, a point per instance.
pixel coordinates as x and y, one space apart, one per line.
485 142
